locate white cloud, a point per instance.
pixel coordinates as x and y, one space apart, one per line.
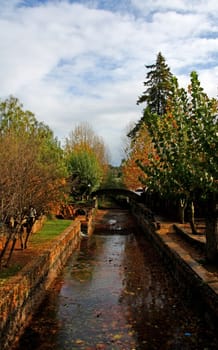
72 61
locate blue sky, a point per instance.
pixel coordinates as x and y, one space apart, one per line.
84 61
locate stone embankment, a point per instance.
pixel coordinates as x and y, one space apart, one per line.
194 278
22 294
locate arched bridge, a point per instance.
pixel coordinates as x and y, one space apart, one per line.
117 192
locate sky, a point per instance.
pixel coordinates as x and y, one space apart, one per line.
83 61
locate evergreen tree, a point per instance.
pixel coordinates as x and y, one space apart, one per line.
158 86
158 89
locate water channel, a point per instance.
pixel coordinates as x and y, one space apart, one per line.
116 294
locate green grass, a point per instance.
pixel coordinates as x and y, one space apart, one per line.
50 230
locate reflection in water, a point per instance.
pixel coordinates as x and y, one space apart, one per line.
115 294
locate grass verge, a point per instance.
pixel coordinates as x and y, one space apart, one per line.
50 230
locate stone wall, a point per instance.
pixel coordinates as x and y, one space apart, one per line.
195 281
22 294
38 224
86 220
144 216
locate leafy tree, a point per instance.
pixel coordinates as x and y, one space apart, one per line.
203 115
185 139
166 171
86 172
87 159
15 119
32 170
139 150
83 137
113 178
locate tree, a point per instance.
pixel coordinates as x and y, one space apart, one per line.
113 178
32 170
139 150
185 139
203 114
84 137
166 172
158 86
18 121
86 173
87 159
158 89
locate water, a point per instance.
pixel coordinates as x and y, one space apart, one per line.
115 294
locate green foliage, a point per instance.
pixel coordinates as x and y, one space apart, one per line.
185 139
23 125
113 178
32 166
85 171
158 89
14 119
86 157
158 86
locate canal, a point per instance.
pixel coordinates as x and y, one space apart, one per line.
116 294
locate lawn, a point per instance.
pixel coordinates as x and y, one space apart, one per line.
39 240
50 230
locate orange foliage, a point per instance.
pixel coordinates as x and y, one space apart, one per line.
141 149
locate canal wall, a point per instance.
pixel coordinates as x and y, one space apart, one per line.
194 279
22 294
86 221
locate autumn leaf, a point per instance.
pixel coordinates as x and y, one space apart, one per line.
79 341
117 336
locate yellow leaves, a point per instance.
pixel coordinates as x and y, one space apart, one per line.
129 292
131 333
141 148
117 336
79 341
84 139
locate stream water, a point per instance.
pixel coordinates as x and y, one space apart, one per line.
116 294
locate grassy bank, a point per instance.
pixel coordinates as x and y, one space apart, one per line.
50 230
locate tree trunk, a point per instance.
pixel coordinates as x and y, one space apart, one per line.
11 251
212 231
182 207
28 231
191 217
3 252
